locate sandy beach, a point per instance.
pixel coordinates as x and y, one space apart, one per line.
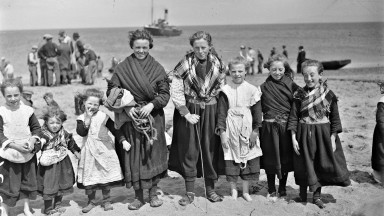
358 94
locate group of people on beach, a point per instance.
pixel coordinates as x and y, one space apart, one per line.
63 62
221 127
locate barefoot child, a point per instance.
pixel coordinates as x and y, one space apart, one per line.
239 119
99 167
276 102
19 141
55 174
314 123
377 159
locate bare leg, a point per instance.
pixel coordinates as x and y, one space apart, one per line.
4 210
27 210
246 195
233 190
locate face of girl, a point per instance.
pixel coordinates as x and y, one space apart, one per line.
12 96
237 73
311 76
141 48
276 70
92 104
54 124
201 48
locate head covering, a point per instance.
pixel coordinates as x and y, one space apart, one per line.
3 58
48 36
61 33
76 35
34 47
242 47
28 92
87 46
301 47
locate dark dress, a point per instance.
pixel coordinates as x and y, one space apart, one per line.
144 164
377 159
57 179
275 139
317 164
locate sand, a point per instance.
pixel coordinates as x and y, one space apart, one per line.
358 95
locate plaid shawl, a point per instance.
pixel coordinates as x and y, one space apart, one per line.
194 85
55 140
315 104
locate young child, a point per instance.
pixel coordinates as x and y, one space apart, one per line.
276 101
99 167
48 97
239 119
55 175
314 123
19 141
377 159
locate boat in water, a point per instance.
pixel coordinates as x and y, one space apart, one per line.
335 65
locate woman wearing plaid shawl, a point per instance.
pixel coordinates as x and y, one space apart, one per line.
314 123
195 86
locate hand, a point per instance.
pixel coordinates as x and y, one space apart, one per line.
192 118
146 110
88 116
31 143
253 138
24 148
77 155
224 140
333 140
126 145
296 147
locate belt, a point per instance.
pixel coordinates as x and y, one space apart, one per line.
201 103
274 120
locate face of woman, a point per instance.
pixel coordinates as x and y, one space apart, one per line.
141 48
277 70
201 49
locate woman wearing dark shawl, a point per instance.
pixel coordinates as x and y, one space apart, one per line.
275 141
195 86
145 163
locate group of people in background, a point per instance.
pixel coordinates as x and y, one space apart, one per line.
230 128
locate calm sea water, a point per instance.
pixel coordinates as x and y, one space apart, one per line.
363 43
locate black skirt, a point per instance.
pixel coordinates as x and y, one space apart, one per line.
317 164
377 159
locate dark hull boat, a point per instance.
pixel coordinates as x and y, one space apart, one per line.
335 65
168 31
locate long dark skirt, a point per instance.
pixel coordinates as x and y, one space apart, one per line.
318 165
250 172
377 159
144 164
184 155
55 180
276 144
19 181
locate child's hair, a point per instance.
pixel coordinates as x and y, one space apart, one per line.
48 95
92 92
11 83
238 60
311 62
54 112
280 58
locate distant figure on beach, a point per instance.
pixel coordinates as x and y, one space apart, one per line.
273 52
245 54
8 72
300 58
260 60
252 54
90 65
377 159
79 56
43 63
26 97
100 66
49 52
285 51
195 149
2 67
48 97
32 62
64 59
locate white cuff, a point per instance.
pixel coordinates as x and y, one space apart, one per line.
5 144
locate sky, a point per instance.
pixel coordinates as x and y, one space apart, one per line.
55 14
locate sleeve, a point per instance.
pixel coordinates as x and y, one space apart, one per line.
57 50
117 133
41 52
72 145
293 118
163 95
380 117
256 115
36 132
334 117
114 82
30 58
222 113
81 129
3 139
178 96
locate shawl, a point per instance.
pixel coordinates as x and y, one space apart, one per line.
55 140
316 103
277 97
140 77
120 101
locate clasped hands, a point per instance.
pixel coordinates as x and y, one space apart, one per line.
26 147
252 139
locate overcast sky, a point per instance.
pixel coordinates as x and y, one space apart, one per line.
48 14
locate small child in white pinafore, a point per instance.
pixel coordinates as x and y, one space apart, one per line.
20 133
239 119
99 167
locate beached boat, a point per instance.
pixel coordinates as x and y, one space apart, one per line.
161 26
335 65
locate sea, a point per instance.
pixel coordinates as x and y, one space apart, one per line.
363 43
